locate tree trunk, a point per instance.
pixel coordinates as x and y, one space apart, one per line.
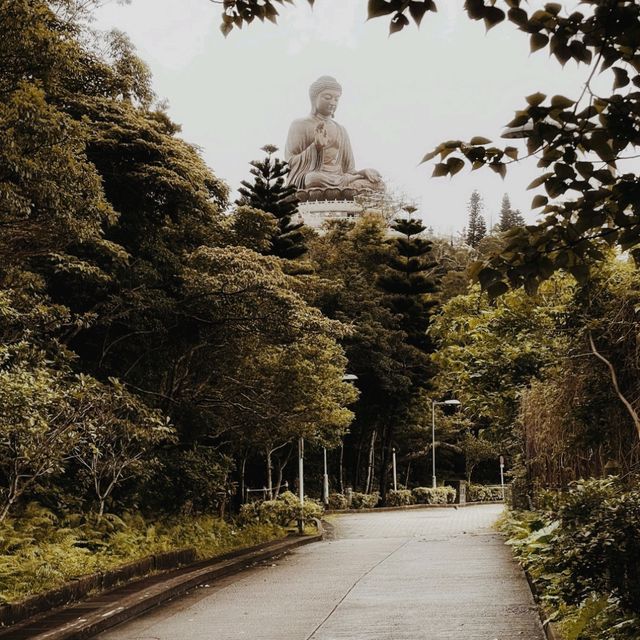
341 466
281 466
242 475
11 498
614 380
385 463
269 476
356 474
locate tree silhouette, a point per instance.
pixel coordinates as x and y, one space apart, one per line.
269 193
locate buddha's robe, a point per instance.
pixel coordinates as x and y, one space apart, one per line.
330 167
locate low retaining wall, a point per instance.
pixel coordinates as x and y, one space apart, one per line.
101 581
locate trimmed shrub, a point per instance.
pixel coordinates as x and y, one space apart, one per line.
439 495
338 501
365 500
483 493
400 498
281 511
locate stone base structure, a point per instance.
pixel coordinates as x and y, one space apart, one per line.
317 206
315 214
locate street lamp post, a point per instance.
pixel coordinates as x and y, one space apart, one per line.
448 403
301 483
325 480
395 475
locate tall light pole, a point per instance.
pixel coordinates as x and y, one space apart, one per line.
301 483
448 403
325 480
395 474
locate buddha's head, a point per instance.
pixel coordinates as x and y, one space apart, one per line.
325 93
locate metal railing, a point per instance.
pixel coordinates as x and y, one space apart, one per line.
263 493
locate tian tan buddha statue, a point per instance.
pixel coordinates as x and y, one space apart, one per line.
319 151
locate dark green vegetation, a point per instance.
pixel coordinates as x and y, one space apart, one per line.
148 346
161 351
42 550
268 193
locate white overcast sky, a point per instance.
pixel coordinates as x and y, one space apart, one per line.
402 95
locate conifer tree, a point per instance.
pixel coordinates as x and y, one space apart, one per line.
509 218
408 280
506 213
518 218
481 229
409 285
477 227
269 193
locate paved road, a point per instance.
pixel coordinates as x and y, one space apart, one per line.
429 574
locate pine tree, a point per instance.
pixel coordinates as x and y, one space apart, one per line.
506 214
269 193
518 218
509 218
409 286
481 229
408 281
477 228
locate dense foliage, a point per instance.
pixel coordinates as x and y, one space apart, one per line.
269 193
42 550
147 345
582 553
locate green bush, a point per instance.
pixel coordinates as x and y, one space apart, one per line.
484 493
583 553
400 498
365 500
338 501
195 478
281 512
439 495
600 541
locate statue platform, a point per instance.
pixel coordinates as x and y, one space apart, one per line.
317 206
315 214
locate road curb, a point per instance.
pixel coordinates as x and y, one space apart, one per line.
89 617
550 628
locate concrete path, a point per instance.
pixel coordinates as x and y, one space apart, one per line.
432 574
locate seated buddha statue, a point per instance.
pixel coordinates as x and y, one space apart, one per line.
318 149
